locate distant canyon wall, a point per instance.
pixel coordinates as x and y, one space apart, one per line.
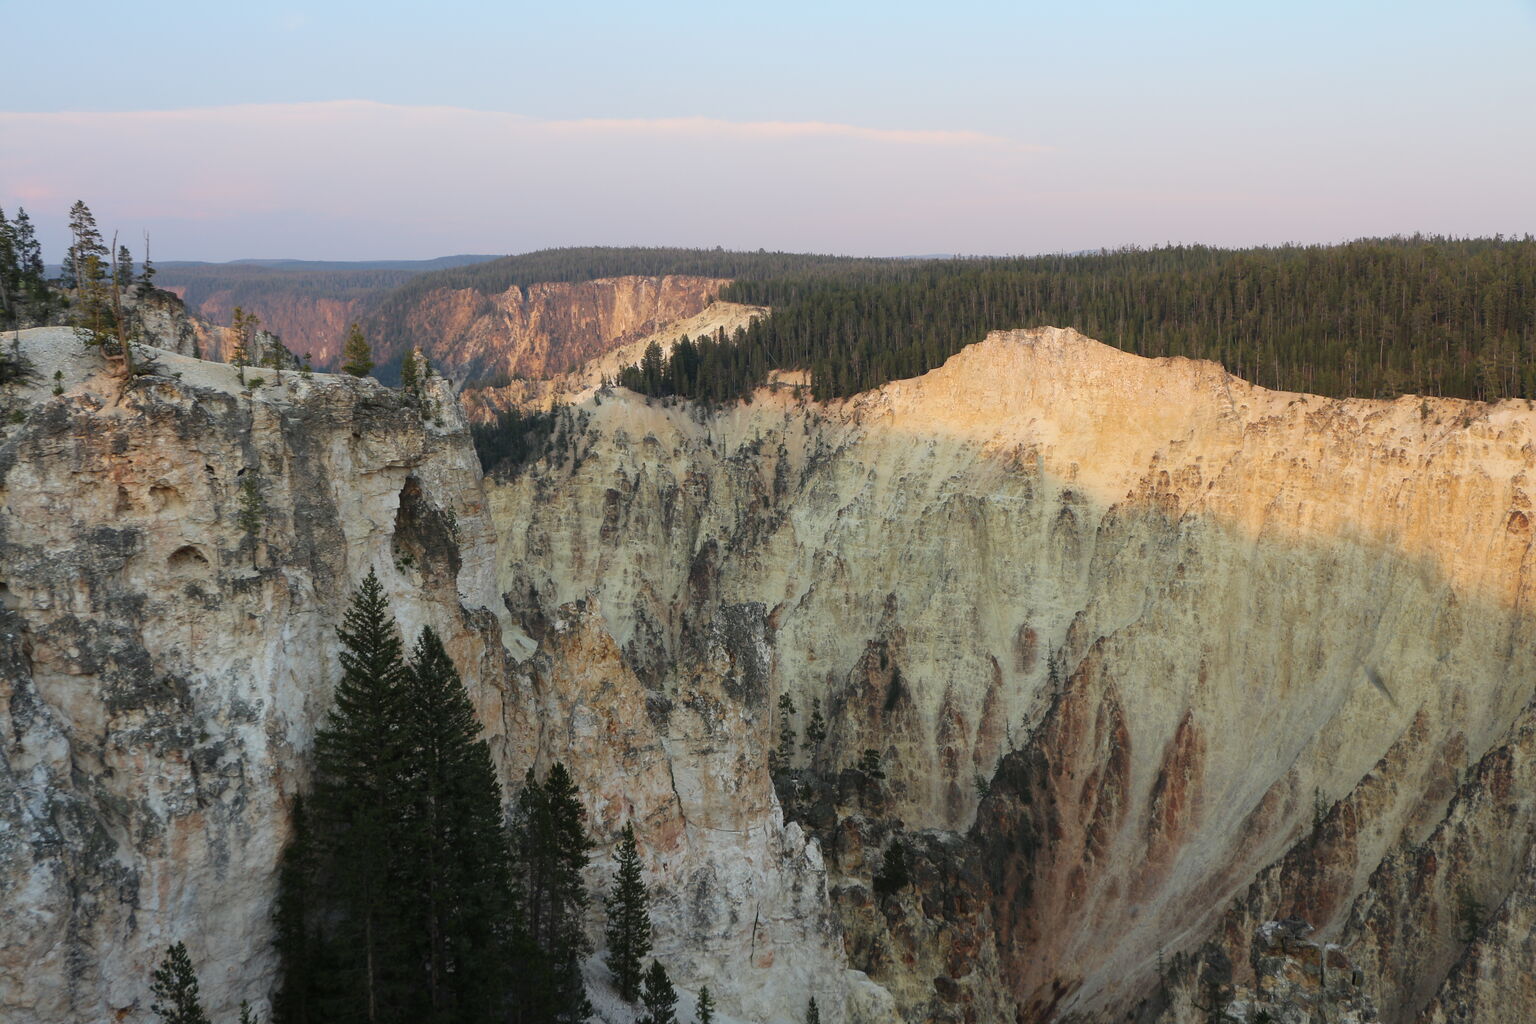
544 329
540 331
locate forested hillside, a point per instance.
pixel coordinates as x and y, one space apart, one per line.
1375 317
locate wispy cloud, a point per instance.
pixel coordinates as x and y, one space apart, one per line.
297 115
790 130
359 178
296 177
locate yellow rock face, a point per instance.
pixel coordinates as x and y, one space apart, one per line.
1210 606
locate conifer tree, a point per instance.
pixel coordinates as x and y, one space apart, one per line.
706 1007
175 989
816 728
29 295
786 730
812 1014
252 512
358 769
455 877
243 327
629 919
356 355
659 997
553 849
410 374
123 271
295 926
85 261
892 876
146 279
92 311
10 272
29 254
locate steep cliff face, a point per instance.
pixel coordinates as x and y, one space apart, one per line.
1132 658
165 668
166 665
316 325
544 393
1185 612
543 330
537 332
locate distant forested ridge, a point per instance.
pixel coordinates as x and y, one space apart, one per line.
1374 318
248 281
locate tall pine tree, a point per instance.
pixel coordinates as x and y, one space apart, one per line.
356 353
455 875
553 849
629 919
359 770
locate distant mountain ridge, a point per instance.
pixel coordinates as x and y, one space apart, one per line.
436 263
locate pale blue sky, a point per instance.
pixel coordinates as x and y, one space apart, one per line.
1065 125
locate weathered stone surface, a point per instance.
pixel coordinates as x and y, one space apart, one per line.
1148 657
544 329
1186 610
165 672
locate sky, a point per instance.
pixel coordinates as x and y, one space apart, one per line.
381 130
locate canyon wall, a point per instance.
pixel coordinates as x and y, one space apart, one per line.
1163 619
312 324
542 330
1133 659
539 331
166 666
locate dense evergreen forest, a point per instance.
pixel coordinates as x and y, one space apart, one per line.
1374 318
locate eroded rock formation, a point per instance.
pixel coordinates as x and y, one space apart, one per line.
1147 658
542 330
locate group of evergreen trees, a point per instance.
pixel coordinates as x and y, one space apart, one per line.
401 890
397 898
93 278
1376 317
404 895
24 295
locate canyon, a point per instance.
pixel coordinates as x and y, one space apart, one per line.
535 332
1188 698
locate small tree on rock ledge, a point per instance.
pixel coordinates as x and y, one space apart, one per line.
356 355
175 989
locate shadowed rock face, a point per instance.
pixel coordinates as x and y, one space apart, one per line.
1171 618
1148 658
